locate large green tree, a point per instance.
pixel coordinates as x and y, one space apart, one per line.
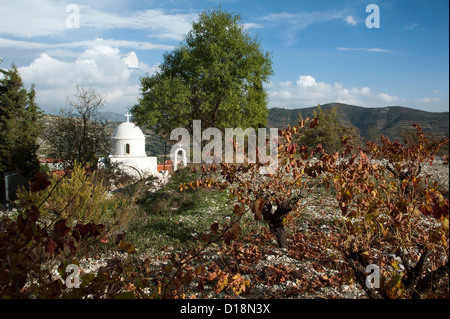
216 75
20 125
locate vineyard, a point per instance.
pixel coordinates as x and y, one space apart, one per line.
309 230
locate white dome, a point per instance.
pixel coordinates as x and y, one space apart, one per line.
129 131
128 141
128 150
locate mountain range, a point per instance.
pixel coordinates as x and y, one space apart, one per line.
371 123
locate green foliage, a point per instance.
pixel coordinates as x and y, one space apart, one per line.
174 218
216 75
79 198
20 125
328 133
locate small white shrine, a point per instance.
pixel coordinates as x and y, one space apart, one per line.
128 149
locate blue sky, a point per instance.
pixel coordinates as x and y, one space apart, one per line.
322 50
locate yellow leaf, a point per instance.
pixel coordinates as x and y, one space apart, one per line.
445 224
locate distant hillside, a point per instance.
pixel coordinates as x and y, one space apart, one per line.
113 117
371 122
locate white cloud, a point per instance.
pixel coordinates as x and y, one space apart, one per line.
138 45
306 81
285 84
102 67
387 98
350 20
27 19
428 100
411 26
292 23
131 60
309 92
251 25
22 18
161 25
364 91
364 49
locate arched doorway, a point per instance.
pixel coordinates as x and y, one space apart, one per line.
183 158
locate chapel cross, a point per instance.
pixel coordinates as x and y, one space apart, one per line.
128 117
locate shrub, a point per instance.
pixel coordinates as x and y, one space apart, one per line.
328 133
79 198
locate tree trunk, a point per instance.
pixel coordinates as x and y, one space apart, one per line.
275 219
280 234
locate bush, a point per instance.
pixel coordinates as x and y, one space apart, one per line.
328 133
32 246
80 198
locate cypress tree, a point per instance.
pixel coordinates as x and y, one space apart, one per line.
20 125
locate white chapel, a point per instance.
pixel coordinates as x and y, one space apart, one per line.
128 150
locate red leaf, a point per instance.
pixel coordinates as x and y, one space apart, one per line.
39 182
291 148
205 238
50 247
214 228
319 148
232 233
60 228
201 284
72 247
88 230
258 208
238 209
34 213
314 123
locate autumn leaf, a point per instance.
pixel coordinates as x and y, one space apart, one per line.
231 233
238 210
50 247
201 284
88 230
214 228
205 238
319 148
257 207
167 268
33 213
212 276
291 148
314 123
127 247
60 228
39 182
